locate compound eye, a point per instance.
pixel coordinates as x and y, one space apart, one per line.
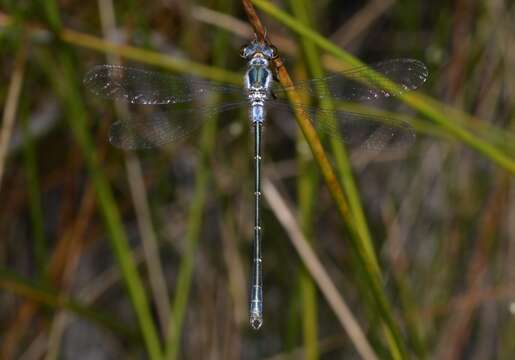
275 53
243 51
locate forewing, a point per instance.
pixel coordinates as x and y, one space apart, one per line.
364 83
152 129
137 86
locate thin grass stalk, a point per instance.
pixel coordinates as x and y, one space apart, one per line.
195 219
425 105
12 103
153 263
156 276
365 252
75 236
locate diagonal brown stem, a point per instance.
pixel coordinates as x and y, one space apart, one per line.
283 211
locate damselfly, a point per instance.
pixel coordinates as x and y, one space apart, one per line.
175 111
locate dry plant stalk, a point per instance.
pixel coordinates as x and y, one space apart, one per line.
11 104
316 269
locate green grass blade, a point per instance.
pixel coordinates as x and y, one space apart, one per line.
144 56
68 90
344 168
425 105
150 57
75 113
182 289
63 77
307 185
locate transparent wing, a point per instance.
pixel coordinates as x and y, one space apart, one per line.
359 131
139 86
363 83
152 129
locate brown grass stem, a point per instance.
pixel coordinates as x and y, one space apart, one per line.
11 103
285 216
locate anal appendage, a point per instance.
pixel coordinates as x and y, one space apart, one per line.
256 307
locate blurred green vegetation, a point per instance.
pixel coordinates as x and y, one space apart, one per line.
426 270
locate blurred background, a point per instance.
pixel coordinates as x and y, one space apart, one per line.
107 254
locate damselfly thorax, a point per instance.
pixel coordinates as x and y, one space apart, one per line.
257 82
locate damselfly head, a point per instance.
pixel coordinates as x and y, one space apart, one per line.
256 48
